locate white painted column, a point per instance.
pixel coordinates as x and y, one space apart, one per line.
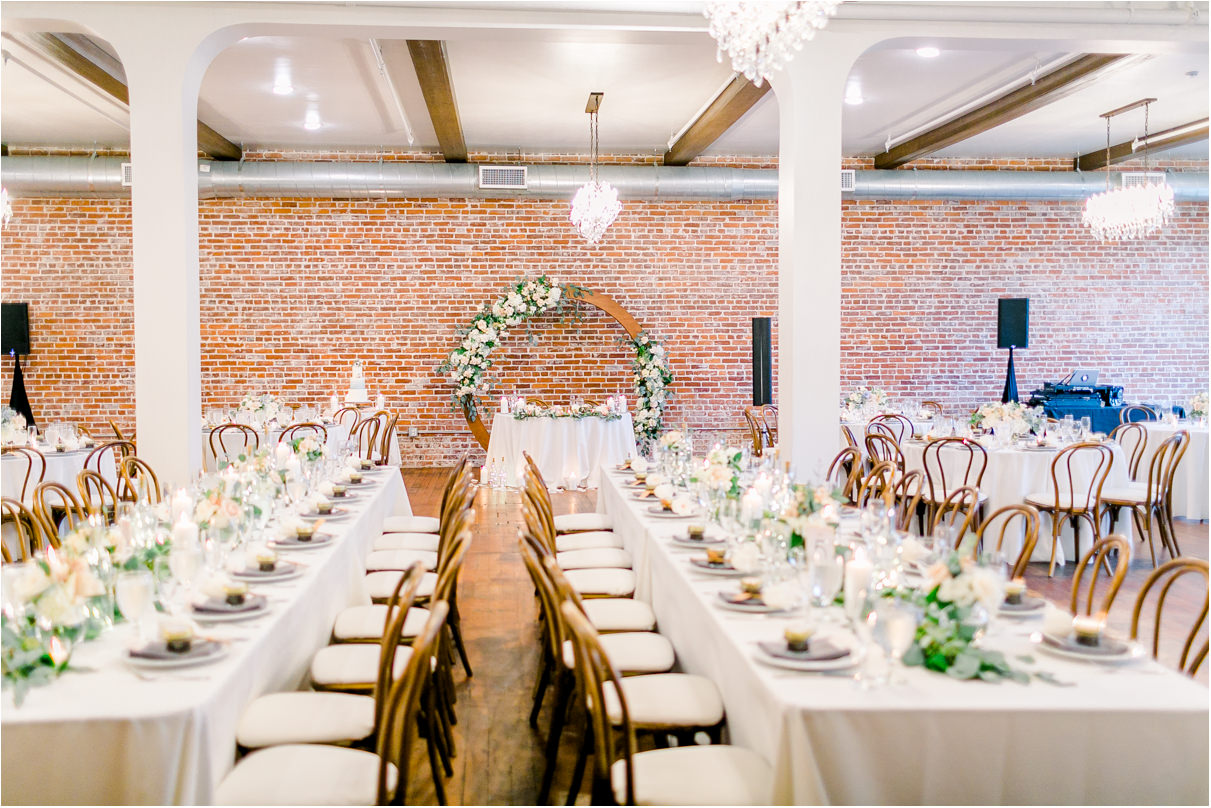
163 79
810 91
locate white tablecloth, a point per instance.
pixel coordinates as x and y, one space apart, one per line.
61 467
107 737
568 451
1013 474
1126 736
337 434
1192 483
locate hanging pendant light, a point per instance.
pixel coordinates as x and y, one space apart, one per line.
1132 211
595 205
761 37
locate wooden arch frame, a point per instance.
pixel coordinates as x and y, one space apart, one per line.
597 300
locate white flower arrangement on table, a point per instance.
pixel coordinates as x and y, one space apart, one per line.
1011 418
265 407
307 448
577 411
721 471
12 426
1198 406
467 365
864 399
813 508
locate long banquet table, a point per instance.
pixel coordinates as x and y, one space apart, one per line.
1132 735
567 450
105 735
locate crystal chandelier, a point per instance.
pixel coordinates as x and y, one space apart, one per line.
1132 211
595 206
761 37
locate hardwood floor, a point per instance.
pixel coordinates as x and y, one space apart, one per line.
499 760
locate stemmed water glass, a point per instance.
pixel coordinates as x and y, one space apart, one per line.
825 573
135 591
895 626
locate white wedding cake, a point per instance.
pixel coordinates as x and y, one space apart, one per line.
357 386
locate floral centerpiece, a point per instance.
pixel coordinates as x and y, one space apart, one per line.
961 595
1011 418
12 426
720 471
579 410
217 510
261 408
307 447
864 400
1198 406
811 509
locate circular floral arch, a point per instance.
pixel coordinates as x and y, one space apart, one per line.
467 365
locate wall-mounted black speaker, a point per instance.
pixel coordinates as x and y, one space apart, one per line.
763 373
14 328
1013 322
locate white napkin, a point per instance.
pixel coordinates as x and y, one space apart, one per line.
1056 621
663 491
325 491
638 464
682 506
746 557
779 596
287 528
214 586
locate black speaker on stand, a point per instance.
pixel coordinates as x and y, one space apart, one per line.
14 341
1013 331
763 374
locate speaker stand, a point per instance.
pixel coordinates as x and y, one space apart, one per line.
1011 382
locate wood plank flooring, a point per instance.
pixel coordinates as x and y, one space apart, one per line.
499 759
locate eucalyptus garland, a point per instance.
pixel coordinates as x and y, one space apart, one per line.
527 298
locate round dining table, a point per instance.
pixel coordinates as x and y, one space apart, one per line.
1191 483
61 467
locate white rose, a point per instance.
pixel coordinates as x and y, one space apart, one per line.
663 491
957 591
639 464
31 583
57 607
986 587
912 551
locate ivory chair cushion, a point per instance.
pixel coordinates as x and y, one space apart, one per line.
368 623
592 559
408 541
619 614
587 540
718 774
632 652
616 583
304 774
1127 495
381 584
1046 499
575 522
667 700
305 717
352 665
411 524
399 560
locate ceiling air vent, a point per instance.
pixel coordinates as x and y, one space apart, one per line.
847 180
126 176
1132 179
502 177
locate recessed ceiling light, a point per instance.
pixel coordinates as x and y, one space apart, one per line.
928 52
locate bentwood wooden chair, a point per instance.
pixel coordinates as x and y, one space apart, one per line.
845 471
718 774
54 504
22 528
27 463
899 426
104 458
1137 412
536 495
907 492
933 407
756 430
347 417
1134 440
1166 576
1096 559
319 431
966 460
850 439
387 440
569 522
97 496
137 481
1004 521
1077 475
879 483
426 524
365 437
305 774
958 511
1147 500
881 447
769 418
230 440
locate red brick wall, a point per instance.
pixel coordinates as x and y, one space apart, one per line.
294 290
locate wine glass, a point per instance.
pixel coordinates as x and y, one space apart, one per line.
185 562
134 592
825 574
897 627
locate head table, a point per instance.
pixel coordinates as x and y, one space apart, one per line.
568 451
1135 734
105 734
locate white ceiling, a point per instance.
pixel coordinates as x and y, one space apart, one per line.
520 94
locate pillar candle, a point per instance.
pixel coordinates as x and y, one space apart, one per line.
184 533
182 504
282 454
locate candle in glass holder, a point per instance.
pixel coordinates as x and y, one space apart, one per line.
714 556
177 635
235 592
751 585
1014 590
266 560
1088 629
304 531
696 532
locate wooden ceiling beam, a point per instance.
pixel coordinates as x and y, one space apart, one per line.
1046 89
1191 132
433 72
729 106
105 73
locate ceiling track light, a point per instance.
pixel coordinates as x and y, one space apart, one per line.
392 91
